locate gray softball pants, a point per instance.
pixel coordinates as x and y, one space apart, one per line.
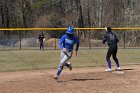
65 56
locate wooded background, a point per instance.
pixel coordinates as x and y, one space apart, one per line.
76 13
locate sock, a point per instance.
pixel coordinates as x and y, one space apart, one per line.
109 63
59 70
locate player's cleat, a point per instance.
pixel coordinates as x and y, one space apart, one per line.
108 70
70 67
118 69
55 77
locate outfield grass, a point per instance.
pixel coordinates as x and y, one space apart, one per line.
36 60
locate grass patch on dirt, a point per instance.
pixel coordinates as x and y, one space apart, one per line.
36 60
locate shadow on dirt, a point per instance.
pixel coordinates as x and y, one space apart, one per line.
128 69
91 79
124 69
85 79
77 80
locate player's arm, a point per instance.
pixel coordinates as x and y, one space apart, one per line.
44 39
116 38
104 38
37 40
77 46
62 43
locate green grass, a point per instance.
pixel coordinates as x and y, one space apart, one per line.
36 60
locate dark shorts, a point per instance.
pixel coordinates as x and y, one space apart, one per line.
112 50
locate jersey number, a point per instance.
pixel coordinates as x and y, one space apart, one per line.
112 37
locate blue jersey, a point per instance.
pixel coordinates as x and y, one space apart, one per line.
68 42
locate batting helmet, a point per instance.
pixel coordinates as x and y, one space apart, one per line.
70 30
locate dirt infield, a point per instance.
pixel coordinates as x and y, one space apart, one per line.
80 80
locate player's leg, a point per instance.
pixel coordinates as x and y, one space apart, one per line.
64 58
62 55
67 56
68 65
40 45
60 66
108 55
114 55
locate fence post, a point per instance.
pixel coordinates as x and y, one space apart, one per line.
124 40
55 44
20 39
89 40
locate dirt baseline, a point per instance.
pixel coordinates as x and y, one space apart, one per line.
80 80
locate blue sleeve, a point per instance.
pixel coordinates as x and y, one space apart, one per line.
62 42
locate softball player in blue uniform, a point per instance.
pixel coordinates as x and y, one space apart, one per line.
112 41
66 44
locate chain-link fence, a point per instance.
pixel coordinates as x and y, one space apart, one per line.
21 40
127 39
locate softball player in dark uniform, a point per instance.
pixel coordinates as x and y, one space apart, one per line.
41 39
112 41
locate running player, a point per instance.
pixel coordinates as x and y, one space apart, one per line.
112 41
66 44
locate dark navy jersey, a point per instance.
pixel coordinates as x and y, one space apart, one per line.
110 38
41 37
68 42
